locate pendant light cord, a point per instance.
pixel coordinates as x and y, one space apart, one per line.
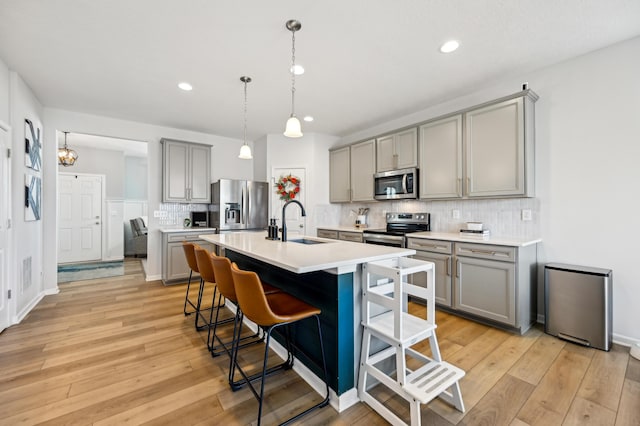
293 72
245 113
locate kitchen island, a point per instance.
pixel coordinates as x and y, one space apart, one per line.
327 274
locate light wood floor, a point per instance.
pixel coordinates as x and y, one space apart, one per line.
120 351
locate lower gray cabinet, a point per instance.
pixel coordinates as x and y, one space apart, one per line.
438 252
174 264
493 283
486 288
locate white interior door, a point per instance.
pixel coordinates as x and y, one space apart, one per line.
296 223
4 225
79 217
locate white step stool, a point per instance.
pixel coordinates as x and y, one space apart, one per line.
385 317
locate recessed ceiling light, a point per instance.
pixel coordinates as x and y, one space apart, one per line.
308 118
297 69
185 86
449 46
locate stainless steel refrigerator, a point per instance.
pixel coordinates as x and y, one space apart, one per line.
239 205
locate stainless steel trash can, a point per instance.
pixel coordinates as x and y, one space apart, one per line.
578 304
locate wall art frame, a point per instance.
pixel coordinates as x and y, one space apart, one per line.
32 197
32 145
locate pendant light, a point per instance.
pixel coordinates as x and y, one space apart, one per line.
66 157
293 128
245 150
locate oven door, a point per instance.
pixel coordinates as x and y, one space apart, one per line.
384 240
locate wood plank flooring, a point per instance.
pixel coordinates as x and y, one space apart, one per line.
119 351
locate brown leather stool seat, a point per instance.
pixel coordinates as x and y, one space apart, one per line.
269 312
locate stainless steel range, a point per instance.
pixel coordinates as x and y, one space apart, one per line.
398 225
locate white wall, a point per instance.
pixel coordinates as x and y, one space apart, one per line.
100 162
4 92
135 178
224 156
27 236
312 153
587 153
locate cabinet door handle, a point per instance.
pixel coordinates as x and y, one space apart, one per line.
458 185
457 268
468 185
448 260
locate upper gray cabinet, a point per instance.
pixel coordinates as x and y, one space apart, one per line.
483 152
351 170
441 158
397 151
186 172
339 175
363 167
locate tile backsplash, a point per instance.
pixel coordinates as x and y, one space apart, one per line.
174 214
502 216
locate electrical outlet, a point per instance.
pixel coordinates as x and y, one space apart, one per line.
159 213
455 213
526 214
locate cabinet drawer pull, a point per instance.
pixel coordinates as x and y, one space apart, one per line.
448 263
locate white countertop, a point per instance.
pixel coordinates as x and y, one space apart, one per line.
343 256
497 240
190 230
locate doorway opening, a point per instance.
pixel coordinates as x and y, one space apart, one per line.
102 244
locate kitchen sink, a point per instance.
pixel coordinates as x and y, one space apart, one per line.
306 241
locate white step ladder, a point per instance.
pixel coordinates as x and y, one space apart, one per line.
385 318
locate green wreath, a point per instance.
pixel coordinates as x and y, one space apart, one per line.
288 187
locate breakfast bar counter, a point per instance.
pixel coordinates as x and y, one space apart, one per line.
322 272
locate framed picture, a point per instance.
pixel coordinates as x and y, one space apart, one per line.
32 145
32 197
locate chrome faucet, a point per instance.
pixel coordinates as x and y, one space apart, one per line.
284 222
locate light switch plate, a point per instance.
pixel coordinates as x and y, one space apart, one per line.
526 214
455 213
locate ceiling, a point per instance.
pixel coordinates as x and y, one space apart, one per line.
366 61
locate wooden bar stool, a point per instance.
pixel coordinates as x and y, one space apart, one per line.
189 252
270 312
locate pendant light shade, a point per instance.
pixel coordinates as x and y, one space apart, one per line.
293 128
66 157
245 150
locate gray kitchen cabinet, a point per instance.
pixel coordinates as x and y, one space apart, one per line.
441 158
334 234
485 151
339 175
499 148
363 167
327 233
355 237
438 252
488 283
397 151
186 172
351 170
174 264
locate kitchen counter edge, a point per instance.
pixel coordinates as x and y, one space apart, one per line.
497 240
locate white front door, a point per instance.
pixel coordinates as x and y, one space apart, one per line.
295 221
4 233
79 217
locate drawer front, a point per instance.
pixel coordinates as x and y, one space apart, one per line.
435 246
325 233
486 251
176 238
356 237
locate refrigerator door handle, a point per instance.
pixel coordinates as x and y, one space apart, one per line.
242 202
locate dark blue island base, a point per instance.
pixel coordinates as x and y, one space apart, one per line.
331 293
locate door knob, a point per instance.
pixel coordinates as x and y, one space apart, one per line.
97 223
301 226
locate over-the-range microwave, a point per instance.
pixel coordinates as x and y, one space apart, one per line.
396 184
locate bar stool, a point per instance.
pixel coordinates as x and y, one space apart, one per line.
270 312
224 280
189 253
